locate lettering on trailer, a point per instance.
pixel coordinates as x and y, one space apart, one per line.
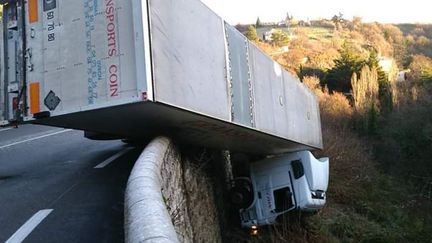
113 80
49 6
102 65
94 64
111 29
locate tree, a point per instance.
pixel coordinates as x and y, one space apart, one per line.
365 91
373 62
279 38
396 38
357 22
385 84
338 18
252 34
339 77
288 19
258 23
338 21
374 37
421 69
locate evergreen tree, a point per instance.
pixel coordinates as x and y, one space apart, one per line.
385 89
252 34
373 62
288 19
258 23
339 77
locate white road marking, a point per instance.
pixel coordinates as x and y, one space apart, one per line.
112 158
29 226
35 138
6 129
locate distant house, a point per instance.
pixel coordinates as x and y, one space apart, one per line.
282 24
389 66
386 64
268 34
265 33
402 76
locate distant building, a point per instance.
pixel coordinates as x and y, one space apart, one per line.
265 33
282 24
268 35
386 64
389 66
402 76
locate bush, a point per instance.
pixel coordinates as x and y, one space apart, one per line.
405 138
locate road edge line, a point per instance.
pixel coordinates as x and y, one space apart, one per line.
27 228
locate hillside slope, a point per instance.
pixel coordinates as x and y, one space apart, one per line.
380 187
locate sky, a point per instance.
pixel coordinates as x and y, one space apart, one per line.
384 11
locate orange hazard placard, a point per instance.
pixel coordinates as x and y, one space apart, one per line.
33 11
34 98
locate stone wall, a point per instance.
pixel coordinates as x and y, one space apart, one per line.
193 189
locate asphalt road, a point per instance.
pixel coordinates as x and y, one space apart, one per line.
57 186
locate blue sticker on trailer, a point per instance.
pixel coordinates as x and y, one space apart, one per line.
49 5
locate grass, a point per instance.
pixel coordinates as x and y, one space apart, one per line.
316 33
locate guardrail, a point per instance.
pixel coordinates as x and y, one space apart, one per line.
146 216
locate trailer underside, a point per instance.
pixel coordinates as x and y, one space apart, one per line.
146 119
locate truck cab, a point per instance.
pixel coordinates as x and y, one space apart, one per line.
294 181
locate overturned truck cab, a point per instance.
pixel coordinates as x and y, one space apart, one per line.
277 185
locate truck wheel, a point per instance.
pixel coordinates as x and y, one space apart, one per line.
241 193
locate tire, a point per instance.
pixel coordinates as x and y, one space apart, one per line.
242 194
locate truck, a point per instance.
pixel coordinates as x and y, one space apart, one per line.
279 184
135 69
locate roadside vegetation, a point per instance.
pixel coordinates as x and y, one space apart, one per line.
374 83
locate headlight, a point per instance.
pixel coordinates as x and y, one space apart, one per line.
318 195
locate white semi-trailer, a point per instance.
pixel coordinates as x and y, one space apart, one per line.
137 68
